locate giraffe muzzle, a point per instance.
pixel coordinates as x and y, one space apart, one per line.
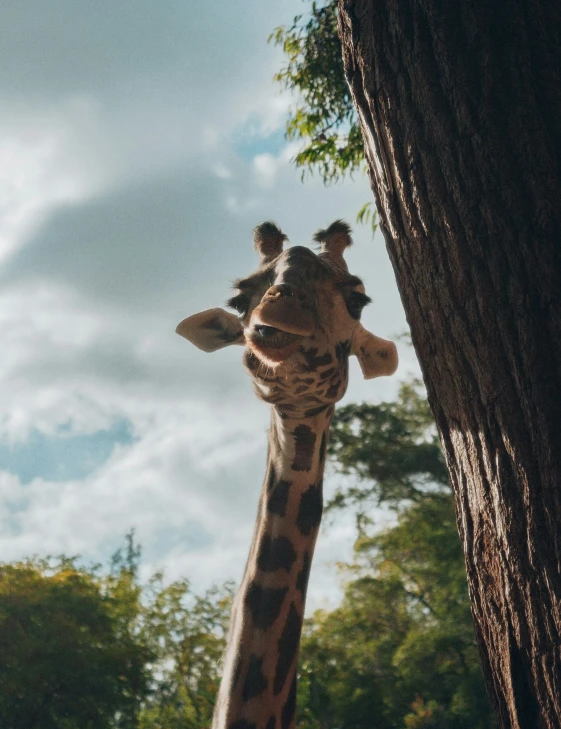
284 308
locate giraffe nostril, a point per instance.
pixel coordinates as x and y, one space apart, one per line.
280 291
287 291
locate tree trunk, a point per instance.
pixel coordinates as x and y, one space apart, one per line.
460 109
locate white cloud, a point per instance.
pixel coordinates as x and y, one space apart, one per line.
265 167
185 474
35 175
125 206
222 172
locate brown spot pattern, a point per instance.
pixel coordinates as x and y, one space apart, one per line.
276 554
322 447
314 411
289 709
310 509
304 442
313 360
271 477
264 604
255 680
278 498
342 350
304 574
333 390
288 648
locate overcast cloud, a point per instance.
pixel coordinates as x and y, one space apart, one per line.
140 143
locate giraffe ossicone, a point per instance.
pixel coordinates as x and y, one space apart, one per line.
298 317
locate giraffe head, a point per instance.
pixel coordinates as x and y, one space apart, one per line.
298 316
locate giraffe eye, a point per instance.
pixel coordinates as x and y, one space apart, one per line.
240 303
356 303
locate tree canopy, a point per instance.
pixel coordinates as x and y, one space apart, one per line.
71 657
94 648
323 117
401 645
391 449
187 633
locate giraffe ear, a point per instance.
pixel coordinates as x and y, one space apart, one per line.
376 356
212 329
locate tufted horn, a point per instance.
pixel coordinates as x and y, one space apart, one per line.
335 239
268 240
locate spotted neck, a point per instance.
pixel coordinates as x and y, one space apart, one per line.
258 689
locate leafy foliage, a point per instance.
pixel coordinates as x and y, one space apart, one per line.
187 633
391 448
323 117
83 649
401 646
70 656
87 648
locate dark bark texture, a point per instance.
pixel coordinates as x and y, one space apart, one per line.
460 109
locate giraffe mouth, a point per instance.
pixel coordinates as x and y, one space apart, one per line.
272 337
273 343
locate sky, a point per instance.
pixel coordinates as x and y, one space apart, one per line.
140 143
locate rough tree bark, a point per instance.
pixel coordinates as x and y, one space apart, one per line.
460 108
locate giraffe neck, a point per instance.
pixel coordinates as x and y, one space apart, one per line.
258 689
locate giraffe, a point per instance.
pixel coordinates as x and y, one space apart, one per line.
298 317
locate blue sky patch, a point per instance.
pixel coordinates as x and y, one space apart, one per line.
62 457
249 141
